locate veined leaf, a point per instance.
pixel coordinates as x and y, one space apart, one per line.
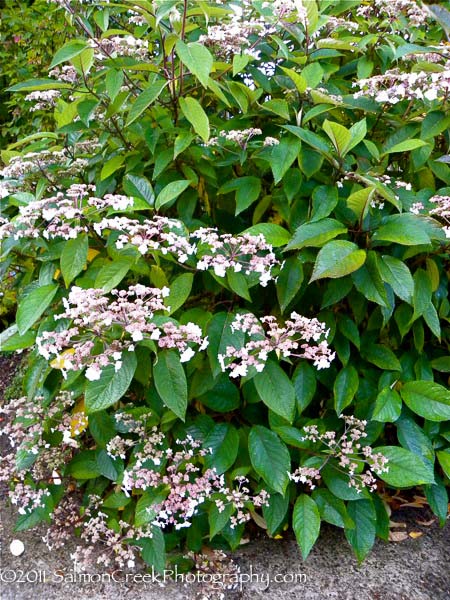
194 113
143 101
337 259
270 457
197 58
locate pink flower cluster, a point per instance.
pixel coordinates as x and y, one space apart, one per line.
37 163
92 312
25 426
242 253
220 252
349 452
441 210
394 86
393 10
64 215
187 488
159 233
266 336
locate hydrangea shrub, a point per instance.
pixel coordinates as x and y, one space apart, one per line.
231 255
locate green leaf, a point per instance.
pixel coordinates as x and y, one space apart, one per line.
247 191
361 537
109 467
332 509
31 306
437 498
223 440
112 273
433 124
274 234
171 191
315 234
289 281
398 276
220 336
279 107
306 523
113 82
443 457
345 387
324 201
240 61
153 550
337 259
218 520
281 156
116 500
300 82
144 513
276 390
275 511
111 386
74 257
339 135
194 113
182 141
170 382
238 283
405 469
358 133
368 280
381 356
422 293
427 399
180 288
32 85
197 58
83 465
359 201
269 457
11 340
223 397
111 166
139 187
405 229
304 380
143 101
388 406
405 146
338 484
68 51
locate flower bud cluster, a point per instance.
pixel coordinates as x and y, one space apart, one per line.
267 335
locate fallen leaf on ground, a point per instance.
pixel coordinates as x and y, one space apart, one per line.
398 536
415 534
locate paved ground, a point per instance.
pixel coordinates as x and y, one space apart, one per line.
414 569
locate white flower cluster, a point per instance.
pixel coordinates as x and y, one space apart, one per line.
393 9
394 86
43 100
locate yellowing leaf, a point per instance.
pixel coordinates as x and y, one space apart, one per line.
92 253
79 420
62 361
